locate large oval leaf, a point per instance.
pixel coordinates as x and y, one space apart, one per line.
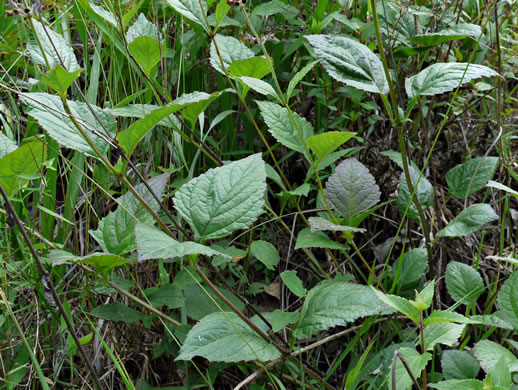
463 283
459 31
445 77
223 199
350 62
508 299
465 179
334 302
224 337
352 189
230 50
469 221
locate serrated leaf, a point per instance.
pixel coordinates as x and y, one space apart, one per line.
280 319
259 86
326 143
464 284
458 31
118 312
255 67
424 194
458 384
508 299
223 199
224 337
55 47
446 333
444 77
319 223
108 16
308 239
266 253
115 232
411 267
20 163
302 190
102 262
48 110
438 316
191 10
151 116
59 79
350 62
282 127
471 176
400 304
294 284
459 365
333 303
146 51
154 244
230 49
352 189
488 353
471 219
298 77
167 295
7 145
141 28
415 361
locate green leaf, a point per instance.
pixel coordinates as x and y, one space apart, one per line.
469 221
59 79
266 253
7 145
130 137
458 31
508 299
396 157
167 295
458 384
459 365
302 190
334 302
424 194
471 176
415 361
500 186
201 301
106 15
326 143
221 11
500 375
298 77
438 316
319 223
259 86
281 319
152 243
115 232
410 268
493 320
55 47
350 62
48 110
464 284
117 312
488 353
191 10
102 262
352 189
308 239
223 199
146 51
446 333
444 77
400 304
255 67
230 49
224 337
283 129
22 162
141 28
294 284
